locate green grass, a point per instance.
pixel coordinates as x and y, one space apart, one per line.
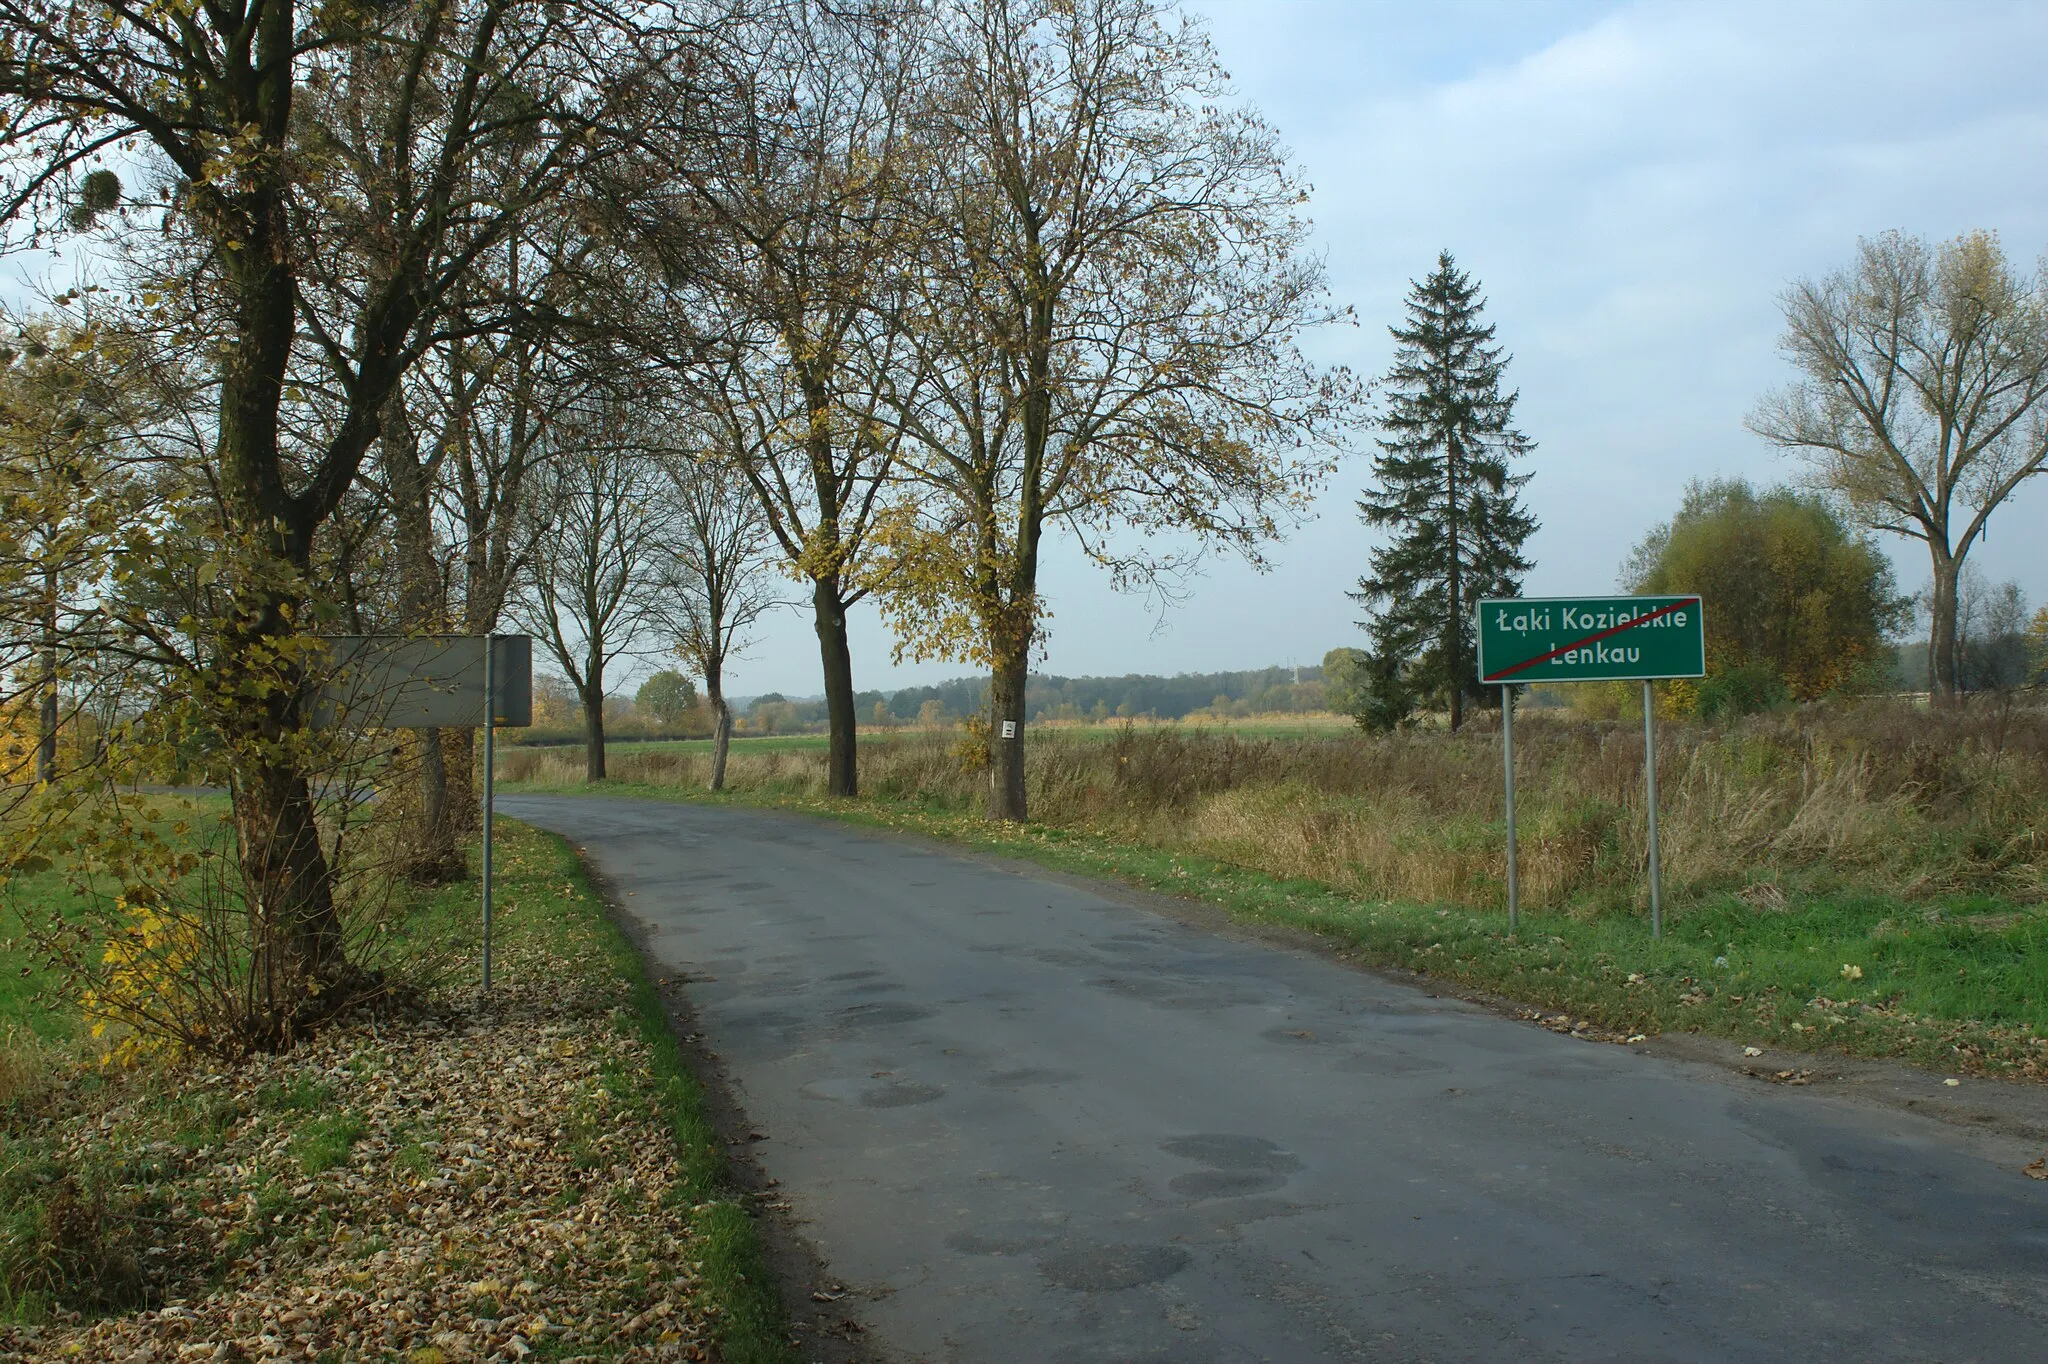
324 1142
27 1001
25 981
1960 986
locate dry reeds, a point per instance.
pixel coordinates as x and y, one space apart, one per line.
1880 796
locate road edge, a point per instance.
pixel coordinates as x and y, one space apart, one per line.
819 1313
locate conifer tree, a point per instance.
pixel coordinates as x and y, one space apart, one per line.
1445 492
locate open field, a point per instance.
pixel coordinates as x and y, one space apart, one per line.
1283 726
346 1200
1868 877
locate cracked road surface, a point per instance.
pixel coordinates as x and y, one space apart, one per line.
1027 1120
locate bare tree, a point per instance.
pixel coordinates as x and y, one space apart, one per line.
716 580
1112 277
1923 401
590 577
776 267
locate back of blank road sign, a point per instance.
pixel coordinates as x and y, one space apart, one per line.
415 682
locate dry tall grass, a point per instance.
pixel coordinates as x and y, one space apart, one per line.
1875 796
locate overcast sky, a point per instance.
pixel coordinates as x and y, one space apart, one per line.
1633 185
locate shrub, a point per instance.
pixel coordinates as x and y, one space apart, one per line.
1744 690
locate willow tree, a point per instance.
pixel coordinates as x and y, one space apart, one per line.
243 193
1113 277
1922 400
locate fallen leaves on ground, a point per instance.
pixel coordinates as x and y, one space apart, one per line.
493 1184
1572 1025
2038 1170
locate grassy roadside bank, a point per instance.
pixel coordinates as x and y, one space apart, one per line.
532 1177
1960 986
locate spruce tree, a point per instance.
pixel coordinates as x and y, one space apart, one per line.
1445 492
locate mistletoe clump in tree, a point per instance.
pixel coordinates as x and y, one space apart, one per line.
1445 492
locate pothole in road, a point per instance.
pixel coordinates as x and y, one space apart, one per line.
881 1015
1108 1269
1287 1037
1222 1151
1224 1184
900 1096
870 1093
1169 993
1009 1239
1030 1075
1387 1063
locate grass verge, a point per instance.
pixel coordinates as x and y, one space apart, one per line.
1959 988
531 1175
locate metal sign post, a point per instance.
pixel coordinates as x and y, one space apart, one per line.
490 770
1589 639
1650 777
1507 759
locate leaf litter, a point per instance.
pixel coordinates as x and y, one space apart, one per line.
454 1185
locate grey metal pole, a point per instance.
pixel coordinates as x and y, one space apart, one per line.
1507 758
1650 774
490 765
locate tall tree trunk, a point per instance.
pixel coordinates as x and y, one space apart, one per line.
1941 634
1454 635
433 856
255 689
1006 684
721 739
458 768
46 736
593 727
299 968
1012 626
842 774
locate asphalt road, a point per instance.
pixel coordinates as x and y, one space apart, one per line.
1030 1120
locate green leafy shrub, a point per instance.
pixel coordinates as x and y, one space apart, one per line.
1749 689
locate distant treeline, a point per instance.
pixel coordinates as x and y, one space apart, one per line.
1259 691
1134 696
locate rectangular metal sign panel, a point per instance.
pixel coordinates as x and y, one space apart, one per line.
1590 639
424 681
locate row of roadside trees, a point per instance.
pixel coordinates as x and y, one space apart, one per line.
439 317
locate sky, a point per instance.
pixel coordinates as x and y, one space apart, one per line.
1633 185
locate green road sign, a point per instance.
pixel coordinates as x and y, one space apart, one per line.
1590 639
